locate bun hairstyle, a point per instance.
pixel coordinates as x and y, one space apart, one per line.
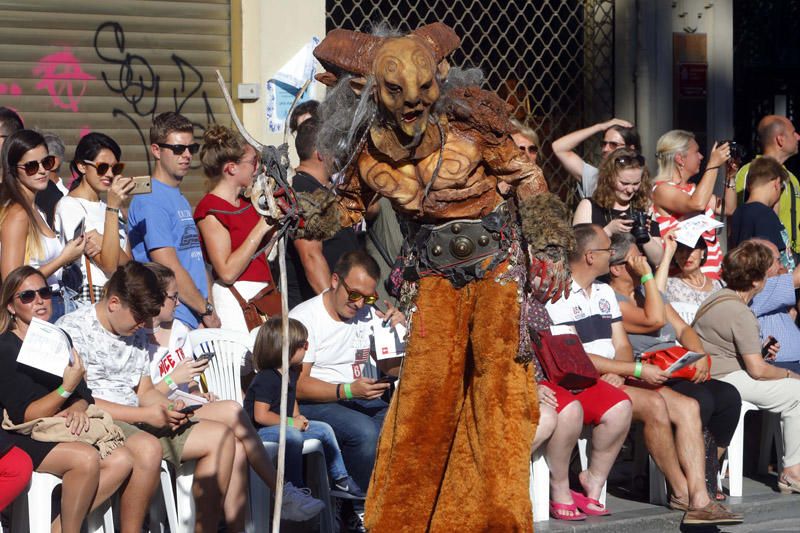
221 145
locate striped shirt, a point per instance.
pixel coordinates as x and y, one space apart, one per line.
590 314
771 306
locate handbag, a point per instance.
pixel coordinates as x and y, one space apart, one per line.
664 359
265 304
563 360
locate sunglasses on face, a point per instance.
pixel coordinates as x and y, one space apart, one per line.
26 297
102 168
354 296
179 149
532 149
612 144
32 167
629 161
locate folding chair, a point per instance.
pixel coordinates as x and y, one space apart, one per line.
223 375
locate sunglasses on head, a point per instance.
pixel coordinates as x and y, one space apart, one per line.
32 167
102 168
179 149
26 297
355 296
629 161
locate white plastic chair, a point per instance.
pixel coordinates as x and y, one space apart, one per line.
223 375
583 443
178 509
32 510
540 488
316 479
770 434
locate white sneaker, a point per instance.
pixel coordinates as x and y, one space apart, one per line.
298 504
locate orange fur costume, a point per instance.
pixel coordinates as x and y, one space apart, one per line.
455 448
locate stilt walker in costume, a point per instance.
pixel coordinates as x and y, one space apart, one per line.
479 223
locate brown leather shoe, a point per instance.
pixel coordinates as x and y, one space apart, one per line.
713 513
676 504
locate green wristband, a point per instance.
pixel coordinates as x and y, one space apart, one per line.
647 277
637 371
64 393
170 383
290 421
347 392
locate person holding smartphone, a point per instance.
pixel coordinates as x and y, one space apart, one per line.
99 170
25 236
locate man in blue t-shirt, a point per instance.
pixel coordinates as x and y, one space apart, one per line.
160 224
766 181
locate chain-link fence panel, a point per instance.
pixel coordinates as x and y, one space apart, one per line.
553 61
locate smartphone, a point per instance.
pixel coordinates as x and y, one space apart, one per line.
80 229
189 409
142 185
770 343
207 355
386 379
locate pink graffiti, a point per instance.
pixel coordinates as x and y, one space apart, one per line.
63 78
10 88
84 132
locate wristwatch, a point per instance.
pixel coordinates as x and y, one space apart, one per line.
209 310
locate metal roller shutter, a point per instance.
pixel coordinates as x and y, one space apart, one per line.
83 65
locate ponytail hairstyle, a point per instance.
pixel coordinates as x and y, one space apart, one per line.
88 148
221 145
669 145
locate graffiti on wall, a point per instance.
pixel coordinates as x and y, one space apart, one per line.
138 84
61 75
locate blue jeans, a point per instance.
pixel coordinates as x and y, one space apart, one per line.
63 304
794 366
294 449
357 425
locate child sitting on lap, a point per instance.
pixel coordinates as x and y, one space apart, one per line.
263 403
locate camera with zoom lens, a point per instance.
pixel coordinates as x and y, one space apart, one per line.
640 229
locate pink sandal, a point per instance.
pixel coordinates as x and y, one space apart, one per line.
583 502
559 512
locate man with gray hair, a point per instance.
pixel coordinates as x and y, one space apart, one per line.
55 147
779 140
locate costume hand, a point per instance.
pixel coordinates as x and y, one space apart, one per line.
73 249
212 320
719 155
550 275
301 422
187 370
653 374
367 389
73 372
613 379
639 265
118 193
392 316
616 122
618 225
547 396
702 369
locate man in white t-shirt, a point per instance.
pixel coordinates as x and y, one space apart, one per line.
338 383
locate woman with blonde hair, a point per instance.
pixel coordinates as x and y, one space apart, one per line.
234 235
676 199
25 237
621 203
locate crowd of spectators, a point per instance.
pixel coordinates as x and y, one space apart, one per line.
128 276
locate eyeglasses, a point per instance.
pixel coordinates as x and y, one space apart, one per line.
26 297
173 297
532 149
629 161
179 149
609 250
32 167
612 144
355 296
102 168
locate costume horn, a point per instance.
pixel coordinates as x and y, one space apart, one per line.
440 37
346 50
238 123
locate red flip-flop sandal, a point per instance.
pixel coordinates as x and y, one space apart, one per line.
559 512
583 502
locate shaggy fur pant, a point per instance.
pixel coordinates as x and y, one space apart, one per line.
455 448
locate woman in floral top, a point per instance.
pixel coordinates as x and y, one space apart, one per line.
690 285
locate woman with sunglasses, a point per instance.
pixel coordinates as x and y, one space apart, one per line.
234 235
621 202
676 199
97 165
688 285
25 237
27 393
617 133
526 140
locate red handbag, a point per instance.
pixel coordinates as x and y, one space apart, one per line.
663 359
563 360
